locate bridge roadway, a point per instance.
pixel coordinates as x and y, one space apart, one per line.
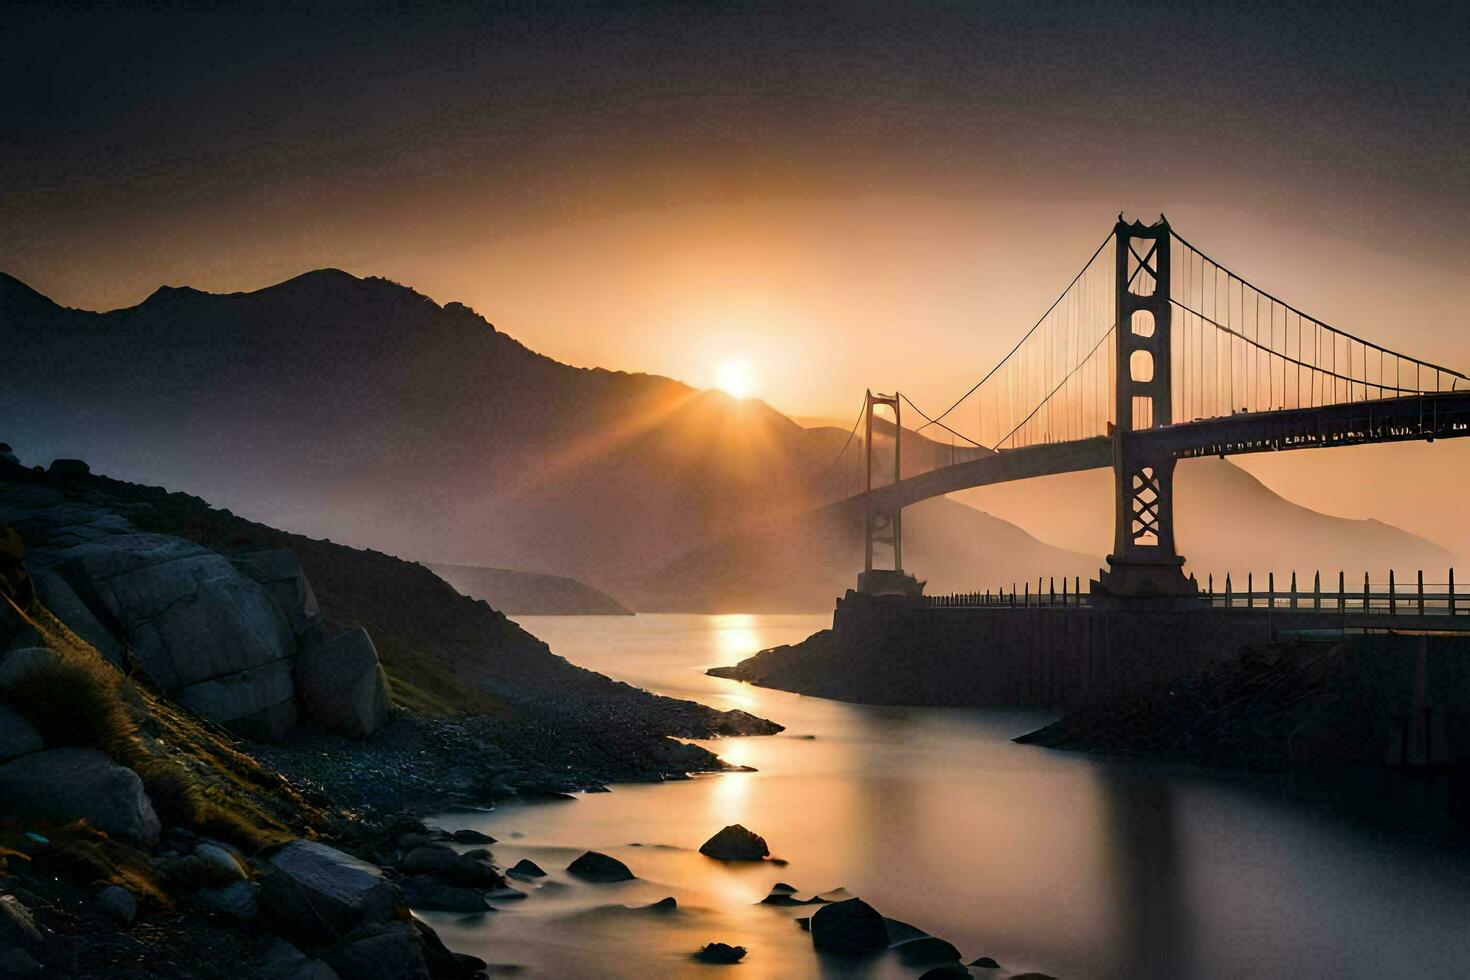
1442 415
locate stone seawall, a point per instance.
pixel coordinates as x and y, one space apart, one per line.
1043 656
893 650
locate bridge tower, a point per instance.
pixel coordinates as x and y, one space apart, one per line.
883 528
1143 562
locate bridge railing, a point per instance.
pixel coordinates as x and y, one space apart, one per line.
1389 598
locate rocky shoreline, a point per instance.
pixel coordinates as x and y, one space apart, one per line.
198 755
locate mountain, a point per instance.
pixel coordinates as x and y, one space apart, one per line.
359 410
528 593
1226 521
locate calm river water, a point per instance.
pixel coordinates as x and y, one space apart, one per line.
1045 860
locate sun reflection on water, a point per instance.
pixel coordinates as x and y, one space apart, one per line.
735 636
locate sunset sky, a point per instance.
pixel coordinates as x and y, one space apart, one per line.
838 197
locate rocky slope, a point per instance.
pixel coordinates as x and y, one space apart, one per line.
528 593
140 838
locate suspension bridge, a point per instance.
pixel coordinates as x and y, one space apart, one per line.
1153 353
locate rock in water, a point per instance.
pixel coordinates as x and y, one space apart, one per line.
986 963
526 868
735 843
670 904
468 836
852 926
594 866
68 784
926 950
947 972
447 863
342 684
720 953
427 892
318 890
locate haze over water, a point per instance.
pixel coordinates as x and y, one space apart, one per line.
1045 860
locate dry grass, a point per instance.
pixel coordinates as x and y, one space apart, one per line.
193 774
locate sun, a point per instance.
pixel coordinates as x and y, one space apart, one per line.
735 378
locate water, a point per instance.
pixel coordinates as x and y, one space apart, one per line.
1045 860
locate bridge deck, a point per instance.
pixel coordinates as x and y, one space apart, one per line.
1445 415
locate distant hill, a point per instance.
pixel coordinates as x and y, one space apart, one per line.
806 561
529 594
1226 520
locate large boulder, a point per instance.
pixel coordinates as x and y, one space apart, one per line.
852 926
202 631
735 843
17 736
320 891
342 685
279 572
257 702
70 784
185 611
63 603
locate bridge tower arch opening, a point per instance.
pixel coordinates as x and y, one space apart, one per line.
1144 561
883 528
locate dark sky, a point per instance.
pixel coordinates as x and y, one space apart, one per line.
138 142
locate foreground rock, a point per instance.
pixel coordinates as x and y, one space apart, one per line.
597 867
735 843
343 686
72 784
852 926
319 890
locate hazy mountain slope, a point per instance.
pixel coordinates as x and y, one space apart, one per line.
528 593
805 562
1226 521
361 410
